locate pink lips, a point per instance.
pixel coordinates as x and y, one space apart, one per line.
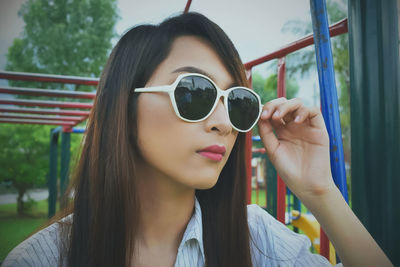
213 152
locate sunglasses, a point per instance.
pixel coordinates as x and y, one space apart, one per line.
194 97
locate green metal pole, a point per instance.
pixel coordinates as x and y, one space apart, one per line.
375 119
52 183
64 172
271 188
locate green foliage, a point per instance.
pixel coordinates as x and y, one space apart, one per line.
63 37
24 158
267 88
24 154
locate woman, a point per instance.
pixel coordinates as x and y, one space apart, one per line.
161 178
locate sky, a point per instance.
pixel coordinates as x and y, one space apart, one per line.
254 26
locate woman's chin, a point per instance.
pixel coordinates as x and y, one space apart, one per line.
205 184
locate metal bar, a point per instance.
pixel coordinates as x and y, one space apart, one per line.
35 117
42 103
38 77
271 195
64 171
78 130
52 182
69 128
257 187
329 102
42 122
336 29
329 97
281 187
188 3
45 92
258 150
46 111
248 154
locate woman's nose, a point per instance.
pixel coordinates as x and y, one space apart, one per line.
219 120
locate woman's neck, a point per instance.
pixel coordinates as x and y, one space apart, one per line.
166 209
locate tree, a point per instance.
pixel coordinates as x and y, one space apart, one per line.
24 157
66 37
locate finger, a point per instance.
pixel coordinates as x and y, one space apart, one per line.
286 110
316 119
270 107
267 135
301 114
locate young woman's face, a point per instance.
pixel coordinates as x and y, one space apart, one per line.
170 146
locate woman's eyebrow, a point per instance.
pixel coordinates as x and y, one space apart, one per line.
194 70
197 70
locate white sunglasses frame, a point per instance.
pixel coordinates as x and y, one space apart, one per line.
171 88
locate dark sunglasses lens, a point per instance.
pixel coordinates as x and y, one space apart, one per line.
194 97
243 108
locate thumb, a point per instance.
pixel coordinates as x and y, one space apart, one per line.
268 137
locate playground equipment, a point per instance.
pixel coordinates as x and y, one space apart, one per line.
65 118
375 102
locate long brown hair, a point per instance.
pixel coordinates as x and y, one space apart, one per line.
106 209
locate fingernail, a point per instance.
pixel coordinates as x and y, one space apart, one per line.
276 114
297 119
264 114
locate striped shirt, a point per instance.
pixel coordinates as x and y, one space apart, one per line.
272 244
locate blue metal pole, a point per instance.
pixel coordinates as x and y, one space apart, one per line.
78 130
328 92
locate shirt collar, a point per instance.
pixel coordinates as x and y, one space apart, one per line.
194 229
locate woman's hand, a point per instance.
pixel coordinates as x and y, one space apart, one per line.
299 148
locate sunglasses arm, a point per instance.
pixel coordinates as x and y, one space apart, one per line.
163 88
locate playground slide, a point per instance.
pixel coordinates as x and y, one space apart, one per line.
310 226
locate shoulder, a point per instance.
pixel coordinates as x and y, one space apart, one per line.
271 237
41 249
272 242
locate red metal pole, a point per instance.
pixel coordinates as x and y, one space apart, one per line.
257 188
45 92
46 103
248 153
38 77
189 2
281 187
335 29
258 150
44 122
36 117
324 244
46 111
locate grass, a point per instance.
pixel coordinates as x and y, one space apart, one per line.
14 228
261 197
